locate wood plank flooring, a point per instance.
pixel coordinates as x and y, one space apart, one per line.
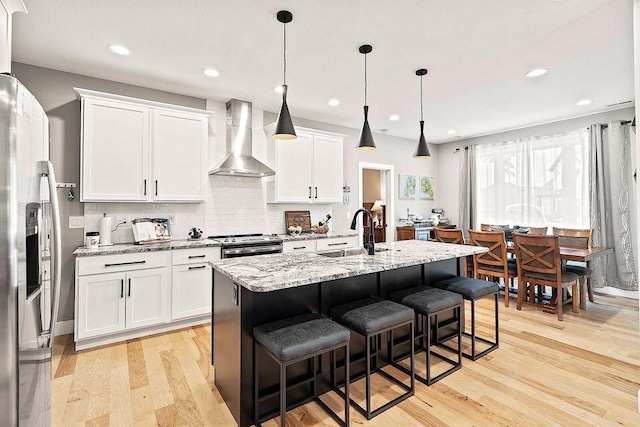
582 371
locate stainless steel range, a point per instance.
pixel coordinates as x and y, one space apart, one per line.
239 245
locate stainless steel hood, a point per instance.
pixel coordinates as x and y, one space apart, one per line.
239 160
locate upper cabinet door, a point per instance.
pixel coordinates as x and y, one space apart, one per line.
115 157
327 169
179 153
294 162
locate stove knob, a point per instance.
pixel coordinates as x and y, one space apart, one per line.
226 240
233 240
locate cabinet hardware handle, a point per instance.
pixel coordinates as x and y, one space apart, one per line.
129 287
156 187
124 263
121 288
337 244
196 256
300 247
197 268
309 192
316 192
145 187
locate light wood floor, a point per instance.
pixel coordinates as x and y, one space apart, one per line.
584 371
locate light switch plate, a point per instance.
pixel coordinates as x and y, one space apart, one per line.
76 222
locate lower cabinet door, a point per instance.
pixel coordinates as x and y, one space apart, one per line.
147 296
191 291
100 305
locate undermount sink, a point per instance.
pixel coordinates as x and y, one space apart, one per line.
349 252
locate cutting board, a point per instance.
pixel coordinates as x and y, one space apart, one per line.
298 218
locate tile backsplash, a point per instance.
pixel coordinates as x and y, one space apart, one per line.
234 205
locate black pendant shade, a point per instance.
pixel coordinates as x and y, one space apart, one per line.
284 124
366 137
422 150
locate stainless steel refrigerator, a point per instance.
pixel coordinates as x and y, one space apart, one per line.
30 264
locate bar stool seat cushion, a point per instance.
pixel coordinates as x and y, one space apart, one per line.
299 336
370 315
426 300
579 270
470 289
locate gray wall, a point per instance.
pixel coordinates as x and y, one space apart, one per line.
448 161
54 90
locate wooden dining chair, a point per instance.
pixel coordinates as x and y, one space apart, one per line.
538 260
493 263
492 227
577 238
537 231
455 236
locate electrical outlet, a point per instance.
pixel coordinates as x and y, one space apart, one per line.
173 219
348 215
275 217
121 220
76 222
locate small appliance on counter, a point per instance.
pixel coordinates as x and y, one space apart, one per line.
151 230
438 218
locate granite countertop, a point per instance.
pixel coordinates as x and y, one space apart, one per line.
128 248
268 273
313 236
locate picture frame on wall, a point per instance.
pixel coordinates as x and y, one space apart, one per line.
407 187
426 188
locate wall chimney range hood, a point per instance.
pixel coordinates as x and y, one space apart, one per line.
239 160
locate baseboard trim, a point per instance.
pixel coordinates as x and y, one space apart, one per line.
64 327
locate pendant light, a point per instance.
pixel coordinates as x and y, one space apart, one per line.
366 138
284 124
422 150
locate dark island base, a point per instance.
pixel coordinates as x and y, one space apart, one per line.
236 311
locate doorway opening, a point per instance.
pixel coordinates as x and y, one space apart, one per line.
376 194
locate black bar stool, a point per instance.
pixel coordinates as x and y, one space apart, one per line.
473 290
370 318
429 303
294 340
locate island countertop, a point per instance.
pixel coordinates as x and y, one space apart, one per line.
268 273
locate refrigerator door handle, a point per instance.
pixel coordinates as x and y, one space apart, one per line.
46 170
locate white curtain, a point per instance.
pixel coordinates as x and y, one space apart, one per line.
466 204
538 181
611 220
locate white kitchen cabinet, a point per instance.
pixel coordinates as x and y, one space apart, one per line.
115 151
7 9
327 169
337 243
191 290
100 305
309 169
179 156
299 246
141 151
147 300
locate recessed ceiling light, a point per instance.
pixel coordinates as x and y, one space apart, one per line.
278 89
333 102
120 50
536 72
584 102
451 131
394 117
210 72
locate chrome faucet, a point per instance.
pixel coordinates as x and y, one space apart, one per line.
367 245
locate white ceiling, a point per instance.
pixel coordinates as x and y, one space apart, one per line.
477 53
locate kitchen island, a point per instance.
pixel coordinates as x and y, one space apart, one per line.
252 291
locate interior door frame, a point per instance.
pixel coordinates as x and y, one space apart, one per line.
389 199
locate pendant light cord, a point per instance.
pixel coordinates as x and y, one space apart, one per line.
421 97
365 79
284 79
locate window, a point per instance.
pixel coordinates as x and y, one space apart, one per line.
541 181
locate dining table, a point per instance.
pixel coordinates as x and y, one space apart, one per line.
568 253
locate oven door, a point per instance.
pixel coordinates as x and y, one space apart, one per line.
250 251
